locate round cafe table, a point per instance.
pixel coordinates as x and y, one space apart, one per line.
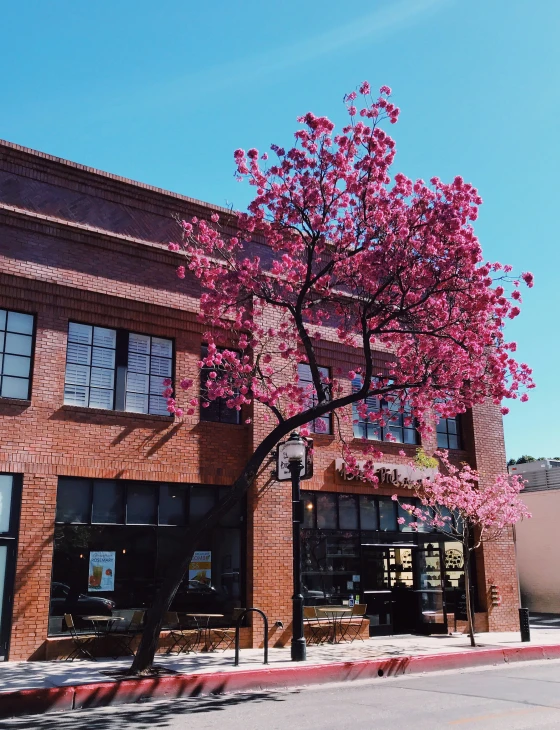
205 630
334 614
102 627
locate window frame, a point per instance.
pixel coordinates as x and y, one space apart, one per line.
31 355
121 369
446 433
219 403
127 484
376 426
328 417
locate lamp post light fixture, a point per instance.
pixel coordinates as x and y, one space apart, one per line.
295 451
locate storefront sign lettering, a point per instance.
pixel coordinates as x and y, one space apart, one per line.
101 571
398 474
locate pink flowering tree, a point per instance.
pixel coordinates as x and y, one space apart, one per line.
333 246
455 503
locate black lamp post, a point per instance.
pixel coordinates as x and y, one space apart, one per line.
295 452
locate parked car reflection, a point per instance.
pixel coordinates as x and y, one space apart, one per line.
66 600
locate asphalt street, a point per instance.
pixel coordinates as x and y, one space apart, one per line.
520 696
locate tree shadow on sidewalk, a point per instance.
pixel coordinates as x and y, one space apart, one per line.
140 716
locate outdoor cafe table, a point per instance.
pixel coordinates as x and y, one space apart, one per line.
334 613
102 627
205 630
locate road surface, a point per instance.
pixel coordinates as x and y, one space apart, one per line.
516 697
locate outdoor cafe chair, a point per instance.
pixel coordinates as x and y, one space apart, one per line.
351 626
124 639
318 628
185 639
81 641
223 638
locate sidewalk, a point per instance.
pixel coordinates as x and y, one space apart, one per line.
37 687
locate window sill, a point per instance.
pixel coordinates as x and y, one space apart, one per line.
15 401
220 423
117 414
357 440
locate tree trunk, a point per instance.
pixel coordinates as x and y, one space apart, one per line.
467 564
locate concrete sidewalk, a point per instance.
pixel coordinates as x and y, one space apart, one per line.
36 687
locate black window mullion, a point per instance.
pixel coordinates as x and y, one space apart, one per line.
121 368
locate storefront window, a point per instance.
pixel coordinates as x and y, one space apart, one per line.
141 507
387 514
108 502
330 567
326 511
134 529
368 513
309 510
348 512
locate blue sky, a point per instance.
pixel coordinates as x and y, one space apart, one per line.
164 92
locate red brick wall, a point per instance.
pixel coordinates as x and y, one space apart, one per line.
496 561
77 244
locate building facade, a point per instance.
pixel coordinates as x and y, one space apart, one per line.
98 484
538 552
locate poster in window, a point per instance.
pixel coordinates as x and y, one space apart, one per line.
101 571
200 566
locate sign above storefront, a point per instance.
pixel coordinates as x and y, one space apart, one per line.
395 474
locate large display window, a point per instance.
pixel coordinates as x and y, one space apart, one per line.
365 547
114 540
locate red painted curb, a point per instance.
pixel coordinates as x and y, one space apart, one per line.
36 701
103 694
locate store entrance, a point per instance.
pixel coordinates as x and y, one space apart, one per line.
388 588
402 587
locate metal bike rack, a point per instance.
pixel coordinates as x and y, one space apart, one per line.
238 626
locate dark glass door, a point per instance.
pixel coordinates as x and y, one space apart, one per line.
402 584
10 490
429 590
376 589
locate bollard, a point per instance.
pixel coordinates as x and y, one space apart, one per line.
524 624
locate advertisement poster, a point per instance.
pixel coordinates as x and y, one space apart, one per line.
101 571
200 567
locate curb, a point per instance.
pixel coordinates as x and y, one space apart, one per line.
103 694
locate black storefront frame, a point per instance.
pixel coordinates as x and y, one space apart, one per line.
158 528
387 539
10 541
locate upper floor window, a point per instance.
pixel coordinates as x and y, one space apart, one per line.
215 410
117 370
394 426
322 424
449 433
16 344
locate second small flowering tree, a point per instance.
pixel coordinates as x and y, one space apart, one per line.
457 504
334 247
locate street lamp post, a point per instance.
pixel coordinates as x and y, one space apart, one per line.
295 452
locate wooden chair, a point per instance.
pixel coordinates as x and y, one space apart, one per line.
81 641
124 639
351 626
223 638
185 639
318 628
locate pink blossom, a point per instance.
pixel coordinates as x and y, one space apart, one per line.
528 278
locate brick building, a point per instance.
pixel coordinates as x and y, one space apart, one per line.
92 318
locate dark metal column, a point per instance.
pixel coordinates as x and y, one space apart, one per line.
298 638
